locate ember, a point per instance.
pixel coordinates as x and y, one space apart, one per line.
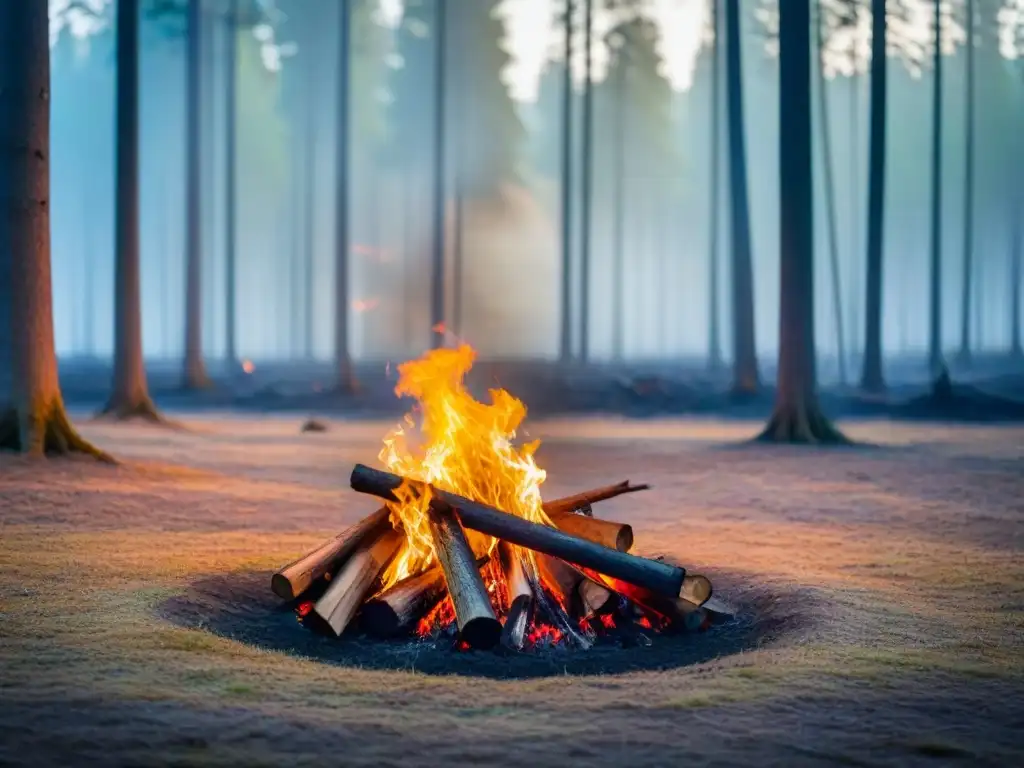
465 550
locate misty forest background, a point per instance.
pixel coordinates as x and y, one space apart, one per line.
650 245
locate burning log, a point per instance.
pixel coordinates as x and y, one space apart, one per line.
350 586
658 577
683 612
581 595
478 626
520 598
604 532
294 579
588 498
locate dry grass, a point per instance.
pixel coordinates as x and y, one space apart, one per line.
903 561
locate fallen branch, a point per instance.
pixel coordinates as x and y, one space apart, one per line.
587 498
661 578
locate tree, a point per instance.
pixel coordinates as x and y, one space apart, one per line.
964 356
714 333
935 279
872 379
797 417
745 374
32 415
565 318
129 396
437 292
231 183
194 374
342 355
586 178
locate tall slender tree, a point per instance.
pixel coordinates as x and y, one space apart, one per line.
231 183
797 417
872 379
745 373
935 360
32 415
342 297
195 367
565 316
715 172
437 297
586 180
964 355
129 396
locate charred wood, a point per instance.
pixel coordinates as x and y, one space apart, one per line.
520 597
357 576
296 577
580 595
661 578
478 626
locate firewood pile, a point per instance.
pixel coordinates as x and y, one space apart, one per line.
495 580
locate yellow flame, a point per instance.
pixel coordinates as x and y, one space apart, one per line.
460 445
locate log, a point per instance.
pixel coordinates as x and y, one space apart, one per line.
662 578
352 583
604 532
520 598
580 595
394 611
296 577
683 612
588 498
478 626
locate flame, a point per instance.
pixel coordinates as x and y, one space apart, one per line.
459 445
248 366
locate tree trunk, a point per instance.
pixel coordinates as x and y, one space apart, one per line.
309 217
437 301
342 356
565 329
797 417
714 331
618 214
745 374
964 356
586 182
872 379
129 397
1016 257
195 368
231 204
935 280
830 189
32 415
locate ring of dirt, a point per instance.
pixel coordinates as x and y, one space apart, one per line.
241 607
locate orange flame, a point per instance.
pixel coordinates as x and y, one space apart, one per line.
248 366
460 445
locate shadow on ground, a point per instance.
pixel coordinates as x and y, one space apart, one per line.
241 607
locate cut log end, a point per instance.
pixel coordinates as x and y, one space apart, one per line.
696 589
482 632
281 587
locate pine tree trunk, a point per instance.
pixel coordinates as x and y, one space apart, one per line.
964 356
309 218
586 180
745 374
130 393
32 415
714 331
830 200
565 324
1016 257
797 417
618 213
935 279
872 379
195 368
437 297
231 173
342 355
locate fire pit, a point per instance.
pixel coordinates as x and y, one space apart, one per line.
465 551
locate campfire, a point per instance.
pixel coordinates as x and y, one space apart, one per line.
465 550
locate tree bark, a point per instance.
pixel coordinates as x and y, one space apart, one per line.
1016 257
231 183
604 532
565 324
618 206
342 355
935 279
586 182
745 374
830 190
194 375
129 397
437 298
32 415
520 597
714 330
797 416
872 378
964 356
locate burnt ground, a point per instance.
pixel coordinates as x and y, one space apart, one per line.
880 598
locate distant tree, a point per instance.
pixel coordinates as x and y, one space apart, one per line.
129 396
935 358
342 294
797 417
32 415
745 373
964 355
715 173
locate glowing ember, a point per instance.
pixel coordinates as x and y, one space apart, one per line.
460 445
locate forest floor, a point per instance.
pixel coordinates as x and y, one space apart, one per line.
880 597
